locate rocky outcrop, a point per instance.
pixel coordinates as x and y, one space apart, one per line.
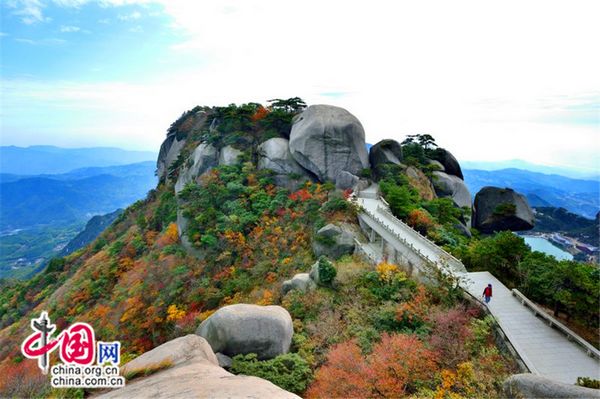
450 164
202 159
451 186
346 180
327 140
420 182
334 241
275 154
243 328
386 152
530 386
498 209
169 151
224 360
300 282
229 155
182 224
193 373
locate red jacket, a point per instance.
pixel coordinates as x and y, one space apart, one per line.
487 291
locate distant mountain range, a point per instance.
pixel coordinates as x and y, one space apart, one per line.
40 216
42 159
542 190
532 167
72 197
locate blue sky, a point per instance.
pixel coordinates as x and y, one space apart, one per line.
489 81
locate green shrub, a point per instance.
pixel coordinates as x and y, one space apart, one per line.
335 204
327 271
588 382
505 210
290 371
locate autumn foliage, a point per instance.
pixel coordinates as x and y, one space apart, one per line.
396 364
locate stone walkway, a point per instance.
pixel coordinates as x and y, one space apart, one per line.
545 350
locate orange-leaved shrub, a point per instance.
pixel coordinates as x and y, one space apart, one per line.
396 367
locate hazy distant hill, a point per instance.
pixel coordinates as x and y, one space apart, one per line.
41 215
551 220
72 197
578 196
93 228
36 160
532 167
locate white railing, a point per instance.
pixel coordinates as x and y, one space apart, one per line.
360 248
552 322
430 243
398 236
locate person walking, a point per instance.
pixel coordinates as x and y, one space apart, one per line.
487 293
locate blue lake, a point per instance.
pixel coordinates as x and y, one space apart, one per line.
542 245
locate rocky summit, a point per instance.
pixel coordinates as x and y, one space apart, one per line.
276 253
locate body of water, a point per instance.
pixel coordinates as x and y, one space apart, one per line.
542 245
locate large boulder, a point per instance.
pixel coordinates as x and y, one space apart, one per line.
274 154
334 241
244 328
386 152
451 165
204 158
229 155
451 186
193 372
327 140
530 386
498 209
300 282
169 152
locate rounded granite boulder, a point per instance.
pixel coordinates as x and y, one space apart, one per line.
245 328
498 209
327 140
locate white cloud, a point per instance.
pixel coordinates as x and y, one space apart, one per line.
104 21
69 29
136 29
30 11
41 42
129 17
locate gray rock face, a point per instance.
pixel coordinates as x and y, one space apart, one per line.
453 187
384 153
202 159
224 360
334 241
243 328
451 165
498 209
327 140
182 224
229 155
301 282
346 180
194 373
534 386
275 154
169 151
420 182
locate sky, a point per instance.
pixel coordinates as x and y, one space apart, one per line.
490 81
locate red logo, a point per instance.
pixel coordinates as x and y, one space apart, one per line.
77 343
